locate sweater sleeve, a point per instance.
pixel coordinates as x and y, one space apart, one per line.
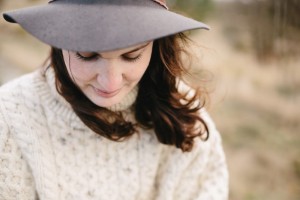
16 181
206 177
213 182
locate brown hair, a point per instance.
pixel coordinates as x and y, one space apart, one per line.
159 105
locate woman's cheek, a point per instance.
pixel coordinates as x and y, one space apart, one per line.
80 71
135 71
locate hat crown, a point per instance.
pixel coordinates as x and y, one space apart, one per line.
162 2
107 2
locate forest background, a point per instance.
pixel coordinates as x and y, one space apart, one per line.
249 63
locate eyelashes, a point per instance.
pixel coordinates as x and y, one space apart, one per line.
132 59
87 58
95 56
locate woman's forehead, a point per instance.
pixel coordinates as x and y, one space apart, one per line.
125 50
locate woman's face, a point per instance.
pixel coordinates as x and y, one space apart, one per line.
106 78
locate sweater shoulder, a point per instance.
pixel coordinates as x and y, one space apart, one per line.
20 99
22 90
16 180
18 85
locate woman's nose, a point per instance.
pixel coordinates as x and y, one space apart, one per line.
110 75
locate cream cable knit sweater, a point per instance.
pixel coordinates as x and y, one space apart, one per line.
47 153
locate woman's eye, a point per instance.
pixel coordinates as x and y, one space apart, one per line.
132 59
87 57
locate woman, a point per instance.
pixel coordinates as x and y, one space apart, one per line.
110 117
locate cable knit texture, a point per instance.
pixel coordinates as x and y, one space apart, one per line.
47 153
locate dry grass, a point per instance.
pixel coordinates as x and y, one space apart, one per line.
256 108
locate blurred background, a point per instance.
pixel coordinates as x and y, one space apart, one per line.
250 64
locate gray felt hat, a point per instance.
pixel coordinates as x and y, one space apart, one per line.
100 25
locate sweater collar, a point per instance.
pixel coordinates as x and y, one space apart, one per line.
127 102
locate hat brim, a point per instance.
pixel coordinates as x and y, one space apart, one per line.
100 28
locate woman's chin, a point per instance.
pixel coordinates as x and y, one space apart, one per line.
106 101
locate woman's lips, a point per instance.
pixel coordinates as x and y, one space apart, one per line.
106 94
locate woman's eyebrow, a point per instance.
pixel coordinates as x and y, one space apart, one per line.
131 51
138 48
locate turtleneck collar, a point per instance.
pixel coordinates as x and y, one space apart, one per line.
126 103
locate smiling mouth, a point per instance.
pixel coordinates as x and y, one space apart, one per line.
106 94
